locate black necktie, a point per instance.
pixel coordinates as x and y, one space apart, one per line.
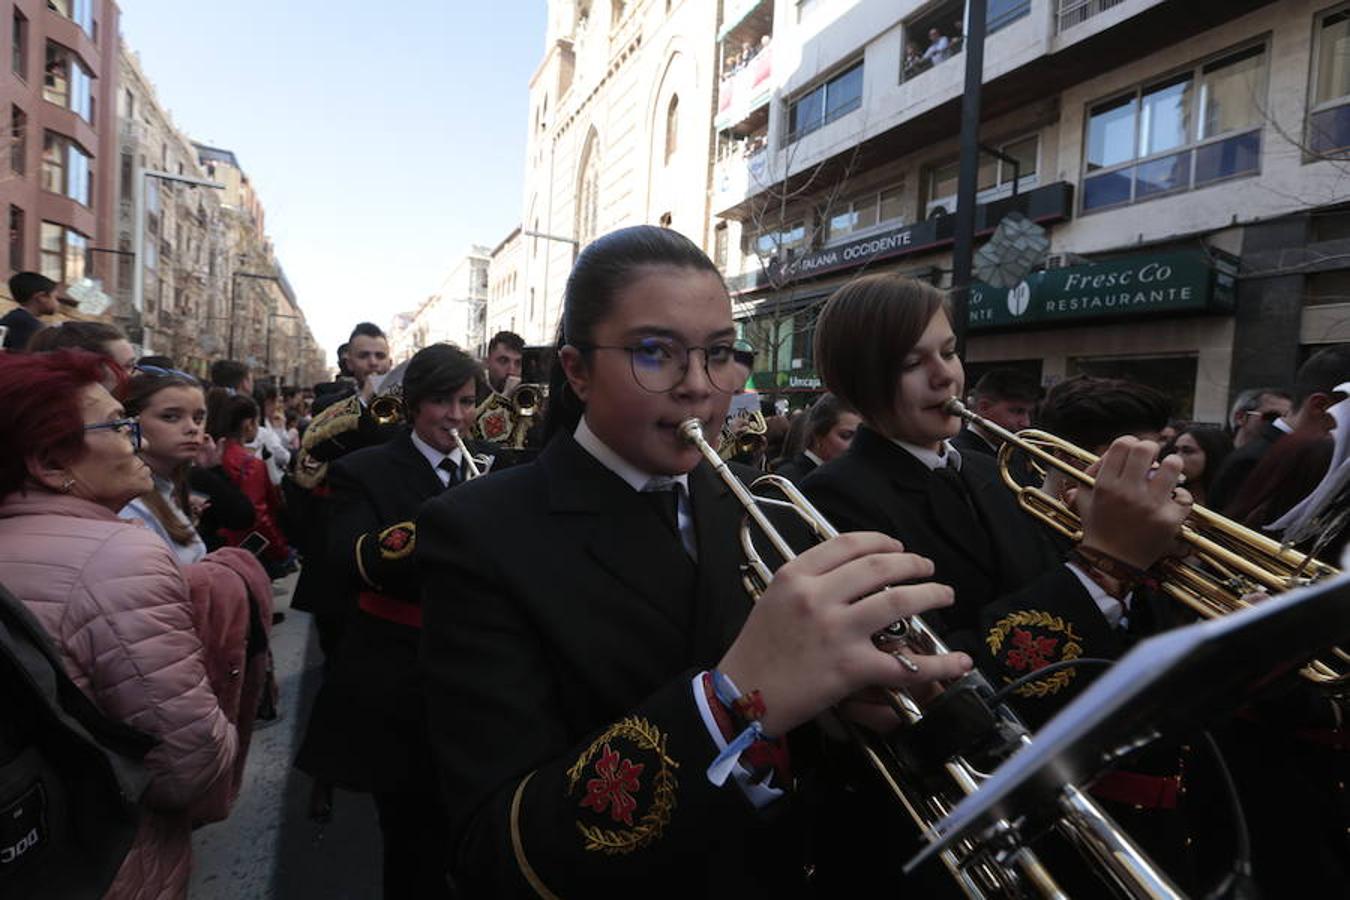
951 478
449 465
965 519
666 502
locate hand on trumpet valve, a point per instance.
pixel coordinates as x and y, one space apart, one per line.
809 642
1135 510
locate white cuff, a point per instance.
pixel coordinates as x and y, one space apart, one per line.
760 795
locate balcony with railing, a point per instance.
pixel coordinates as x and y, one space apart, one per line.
742 163
745 59
1076 12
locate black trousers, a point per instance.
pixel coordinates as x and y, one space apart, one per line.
416 833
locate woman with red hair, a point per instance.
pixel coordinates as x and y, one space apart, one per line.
109 593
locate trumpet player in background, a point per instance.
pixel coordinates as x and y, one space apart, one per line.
885 346
368 732
583 678
505 354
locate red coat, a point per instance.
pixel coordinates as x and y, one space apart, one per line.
223 587
249 474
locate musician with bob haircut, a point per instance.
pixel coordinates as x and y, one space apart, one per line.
885 345
368 731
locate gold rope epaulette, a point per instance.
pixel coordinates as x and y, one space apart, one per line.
309 472
330 425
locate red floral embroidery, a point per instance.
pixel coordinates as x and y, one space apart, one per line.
1029 652
395 541
494 426
615 787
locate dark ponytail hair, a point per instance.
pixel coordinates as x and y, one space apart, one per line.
608 265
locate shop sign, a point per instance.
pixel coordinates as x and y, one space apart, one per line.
1050 203
1140 285
795 380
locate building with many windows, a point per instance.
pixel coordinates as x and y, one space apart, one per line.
505 288
254 317
620 115
58 95
184 240
1187 158
456 313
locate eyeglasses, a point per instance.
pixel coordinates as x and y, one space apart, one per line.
660 364
130 427
161 372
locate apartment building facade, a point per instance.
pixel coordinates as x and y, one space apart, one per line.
59 187
1187 160
620 114
254 315
505 289
455 314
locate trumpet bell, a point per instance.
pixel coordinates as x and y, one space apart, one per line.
1227 561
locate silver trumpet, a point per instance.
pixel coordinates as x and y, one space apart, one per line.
997 863
475 464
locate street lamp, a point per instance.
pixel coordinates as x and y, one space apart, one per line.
963 249
272 316
138 230
576 248
234 285
576 245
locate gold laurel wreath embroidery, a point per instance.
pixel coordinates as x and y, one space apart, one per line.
647 737
1052 684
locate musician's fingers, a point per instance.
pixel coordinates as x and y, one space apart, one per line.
830 555
878 610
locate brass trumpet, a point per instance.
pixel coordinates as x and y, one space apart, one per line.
997 863
749 440
1227 562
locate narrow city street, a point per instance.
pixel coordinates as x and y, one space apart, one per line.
269 848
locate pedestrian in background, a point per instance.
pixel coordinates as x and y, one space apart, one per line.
36 296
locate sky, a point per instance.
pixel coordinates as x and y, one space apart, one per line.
383 140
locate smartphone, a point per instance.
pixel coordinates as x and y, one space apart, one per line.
255 543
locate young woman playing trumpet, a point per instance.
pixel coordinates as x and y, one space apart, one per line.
604 701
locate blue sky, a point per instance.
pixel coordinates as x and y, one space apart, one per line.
382 139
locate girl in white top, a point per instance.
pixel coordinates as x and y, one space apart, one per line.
171 407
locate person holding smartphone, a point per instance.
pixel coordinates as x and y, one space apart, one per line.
589 651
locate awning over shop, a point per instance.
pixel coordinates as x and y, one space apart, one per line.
1149 284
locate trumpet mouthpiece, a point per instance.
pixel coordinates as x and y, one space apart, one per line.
691 430
954 407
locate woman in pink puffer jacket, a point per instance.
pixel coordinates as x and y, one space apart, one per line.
109 593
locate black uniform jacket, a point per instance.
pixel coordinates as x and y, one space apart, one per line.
1227 482
1017 607
797 468
967 441
368 729
563 626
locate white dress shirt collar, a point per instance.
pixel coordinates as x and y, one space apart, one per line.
434 456
631 474
810 454
945 455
